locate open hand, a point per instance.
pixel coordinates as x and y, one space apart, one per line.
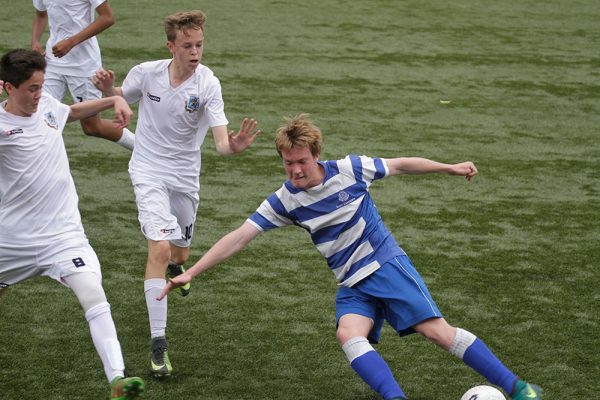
245 136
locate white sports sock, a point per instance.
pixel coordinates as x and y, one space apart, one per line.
462 340
104 336
157 310
356 347
127 139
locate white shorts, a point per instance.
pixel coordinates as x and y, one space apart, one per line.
57 260
81 88
166 214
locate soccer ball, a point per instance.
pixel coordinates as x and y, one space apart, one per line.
483 392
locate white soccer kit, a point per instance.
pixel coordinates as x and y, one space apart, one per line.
40 224
67 18
171 127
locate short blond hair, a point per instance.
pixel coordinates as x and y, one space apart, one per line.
299 132
182 21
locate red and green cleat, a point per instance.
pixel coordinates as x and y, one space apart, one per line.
127 388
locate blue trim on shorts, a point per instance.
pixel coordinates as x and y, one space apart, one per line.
395 293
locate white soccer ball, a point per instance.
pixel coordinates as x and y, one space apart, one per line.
483 392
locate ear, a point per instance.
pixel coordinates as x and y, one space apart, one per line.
9 87
170 46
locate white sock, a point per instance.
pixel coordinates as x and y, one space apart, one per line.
461 342
356 347
157 310
104 336
127 139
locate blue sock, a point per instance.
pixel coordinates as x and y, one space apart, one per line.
479 357
376 373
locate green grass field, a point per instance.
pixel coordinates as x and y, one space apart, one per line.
513 256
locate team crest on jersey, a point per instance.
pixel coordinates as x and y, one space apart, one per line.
193 104
343 196
12 132
51 120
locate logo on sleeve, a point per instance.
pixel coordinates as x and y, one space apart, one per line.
193 104
50 120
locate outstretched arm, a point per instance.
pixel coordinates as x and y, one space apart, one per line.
40 20
92 107
230 143
418 166
227 246
105 20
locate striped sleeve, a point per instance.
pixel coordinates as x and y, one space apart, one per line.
271 214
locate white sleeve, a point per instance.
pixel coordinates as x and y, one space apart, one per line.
96 3
39 5
133 84
215 107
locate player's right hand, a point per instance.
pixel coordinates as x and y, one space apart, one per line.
173 283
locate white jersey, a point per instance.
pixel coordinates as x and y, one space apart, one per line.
172 123
38 201
65 19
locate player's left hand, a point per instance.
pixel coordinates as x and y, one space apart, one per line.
62 48
1 87
245 136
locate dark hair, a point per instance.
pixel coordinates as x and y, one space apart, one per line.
18 65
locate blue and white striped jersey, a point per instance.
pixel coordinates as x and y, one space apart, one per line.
340 216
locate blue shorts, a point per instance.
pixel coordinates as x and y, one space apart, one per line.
395 293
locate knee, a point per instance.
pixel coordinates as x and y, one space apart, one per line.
180 255
160 252
438 331
342 336
351 326
90 294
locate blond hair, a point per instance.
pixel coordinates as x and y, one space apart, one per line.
299 132
182 21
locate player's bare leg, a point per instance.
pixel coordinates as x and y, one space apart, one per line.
179 256
104 128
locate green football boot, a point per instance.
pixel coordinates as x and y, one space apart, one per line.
174 270
160 365
526 391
